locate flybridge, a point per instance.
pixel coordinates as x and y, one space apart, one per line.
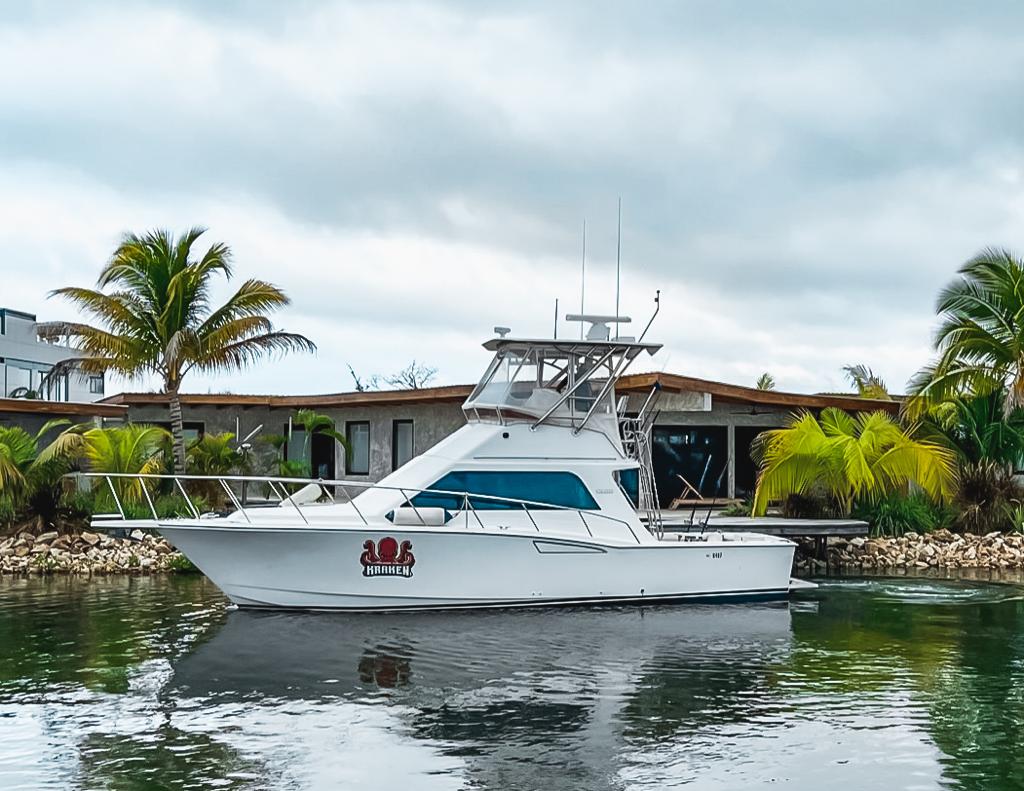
564 382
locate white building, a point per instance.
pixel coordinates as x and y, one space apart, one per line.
25 360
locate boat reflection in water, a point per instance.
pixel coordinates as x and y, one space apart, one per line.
532 698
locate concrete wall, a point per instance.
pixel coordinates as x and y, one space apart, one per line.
431 424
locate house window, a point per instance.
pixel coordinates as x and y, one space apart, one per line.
357 458
191 430
401 443
548 488
96 385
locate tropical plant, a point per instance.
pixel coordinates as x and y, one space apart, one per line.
898 513
868 383
156 319
315 423
213 454
28 477
986 493
765 382
850 458
980 428
133 448
980 340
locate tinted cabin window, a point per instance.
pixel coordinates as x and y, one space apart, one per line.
629 480
357 461
551 488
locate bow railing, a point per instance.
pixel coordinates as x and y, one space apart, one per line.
280 495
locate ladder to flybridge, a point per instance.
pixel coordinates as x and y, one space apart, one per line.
636 443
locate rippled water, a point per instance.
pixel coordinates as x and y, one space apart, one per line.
156 684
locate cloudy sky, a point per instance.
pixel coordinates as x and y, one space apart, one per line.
798 178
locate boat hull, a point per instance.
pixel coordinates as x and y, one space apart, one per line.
387 569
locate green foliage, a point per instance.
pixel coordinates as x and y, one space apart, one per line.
153 317
181 564
765 382
987 493
980 428
867 382
738 509
1015 515
28 477
8 513
213 454
848 458
134 449
980 340
897 513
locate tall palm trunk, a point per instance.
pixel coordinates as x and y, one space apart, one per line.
177 431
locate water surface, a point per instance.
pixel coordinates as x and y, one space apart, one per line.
153 683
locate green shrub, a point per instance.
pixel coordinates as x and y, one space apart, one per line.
739 509
897 514
8 511
181 564
987 493
78 502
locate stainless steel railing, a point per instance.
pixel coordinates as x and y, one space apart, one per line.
278 486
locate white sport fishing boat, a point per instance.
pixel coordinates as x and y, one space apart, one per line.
544 497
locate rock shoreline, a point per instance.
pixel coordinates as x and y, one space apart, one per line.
939 550
88 553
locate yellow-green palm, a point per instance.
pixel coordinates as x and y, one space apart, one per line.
155 318
133 448
20 465
849 457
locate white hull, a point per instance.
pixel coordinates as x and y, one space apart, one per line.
304 567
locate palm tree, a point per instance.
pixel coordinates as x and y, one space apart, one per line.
21 464
868 383
849 457
156 319
133 448
314 423
765 382
980 430
980 340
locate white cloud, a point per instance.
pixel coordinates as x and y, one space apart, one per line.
799 186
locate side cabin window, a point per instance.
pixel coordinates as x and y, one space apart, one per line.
551 488
629 482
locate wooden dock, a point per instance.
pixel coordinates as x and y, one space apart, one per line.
679 522
820 530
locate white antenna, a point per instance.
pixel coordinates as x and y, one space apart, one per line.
556 318
618 266
583 275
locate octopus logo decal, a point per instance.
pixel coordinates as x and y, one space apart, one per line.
387 558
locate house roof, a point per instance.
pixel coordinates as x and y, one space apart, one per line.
423 395
673 383
62 408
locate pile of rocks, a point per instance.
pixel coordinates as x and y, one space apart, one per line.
941 549
87 553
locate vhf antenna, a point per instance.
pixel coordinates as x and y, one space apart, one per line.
618 268
583 276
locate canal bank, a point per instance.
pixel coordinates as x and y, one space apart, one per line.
88 553
941 549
